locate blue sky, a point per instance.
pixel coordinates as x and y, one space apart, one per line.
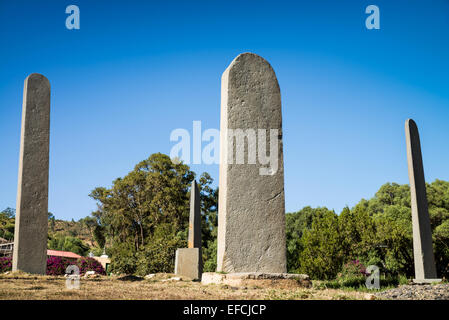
137 70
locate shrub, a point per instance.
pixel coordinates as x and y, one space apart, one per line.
210 256
354 268
296 224
322 254
5 264
159 254
123 258
353 274
56 266
90 264
403 280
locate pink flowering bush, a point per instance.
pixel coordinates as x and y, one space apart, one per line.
90 264
56 266
353 274
354 268
5 264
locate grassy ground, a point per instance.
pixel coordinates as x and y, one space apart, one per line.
18 286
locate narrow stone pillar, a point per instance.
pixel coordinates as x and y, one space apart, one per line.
30 236
189 261
251 219
425 270
194 218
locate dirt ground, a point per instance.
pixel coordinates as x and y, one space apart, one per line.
20 286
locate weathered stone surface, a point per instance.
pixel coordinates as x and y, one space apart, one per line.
30 237
426 281
187 263
422 233
245 278
194 240
251 226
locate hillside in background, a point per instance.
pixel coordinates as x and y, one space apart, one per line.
72 228
74 236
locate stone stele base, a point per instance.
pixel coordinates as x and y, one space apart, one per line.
426 281
256 278
187 263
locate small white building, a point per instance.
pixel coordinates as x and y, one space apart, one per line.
104 260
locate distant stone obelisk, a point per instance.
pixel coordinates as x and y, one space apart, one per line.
194 240
425 270
30 235
189 260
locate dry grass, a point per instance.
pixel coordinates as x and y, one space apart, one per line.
21 286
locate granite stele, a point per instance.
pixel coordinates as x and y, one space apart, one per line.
425 270
251 219
188 261
30 236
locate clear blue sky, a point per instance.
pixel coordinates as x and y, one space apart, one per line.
136 70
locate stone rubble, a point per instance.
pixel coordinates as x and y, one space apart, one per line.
417 292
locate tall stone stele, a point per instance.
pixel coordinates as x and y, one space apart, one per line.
425 270
189 261
30 236
251 219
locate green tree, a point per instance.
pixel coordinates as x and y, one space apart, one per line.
296 224
158 255
7 224
322 255
67 243
441 240
90 223
51 221
8 213
209 222
376 231
134 210
99 236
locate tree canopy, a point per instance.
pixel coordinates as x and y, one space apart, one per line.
377 231
7 224
144 215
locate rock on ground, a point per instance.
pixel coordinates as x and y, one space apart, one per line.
417 292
